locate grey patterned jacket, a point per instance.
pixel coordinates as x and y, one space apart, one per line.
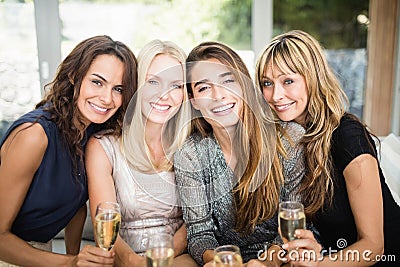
205 185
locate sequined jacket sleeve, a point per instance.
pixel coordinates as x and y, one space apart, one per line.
193 174
293 165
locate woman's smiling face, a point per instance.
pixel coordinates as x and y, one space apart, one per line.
162 94
286 93
100 95
217 93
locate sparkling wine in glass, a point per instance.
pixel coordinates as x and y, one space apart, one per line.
291 217
227 256
160 250
108 221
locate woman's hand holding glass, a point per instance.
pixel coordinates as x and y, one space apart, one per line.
93 256
307 249
291 217
303 249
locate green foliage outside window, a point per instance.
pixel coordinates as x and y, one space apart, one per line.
333 22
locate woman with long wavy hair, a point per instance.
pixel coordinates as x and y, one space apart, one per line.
43 186
344 191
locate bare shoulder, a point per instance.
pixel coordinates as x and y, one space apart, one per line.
93 145
28 137
95 152
23 150
361 162
362 170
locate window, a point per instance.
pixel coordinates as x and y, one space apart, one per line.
19 74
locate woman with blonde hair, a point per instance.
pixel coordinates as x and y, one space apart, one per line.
344 191
135 168
228 173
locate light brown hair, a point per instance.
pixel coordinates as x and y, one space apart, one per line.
258 168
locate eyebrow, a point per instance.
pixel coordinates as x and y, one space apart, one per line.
201 82
281 74
151 75
99 76
105 80
225 74
178 81
207 80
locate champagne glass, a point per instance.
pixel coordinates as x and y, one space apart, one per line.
160 250
227 256
291 217
108 221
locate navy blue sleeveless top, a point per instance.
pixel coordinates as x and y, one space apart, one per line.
55 194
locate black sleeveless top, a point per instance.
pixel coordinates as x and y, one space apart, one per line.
336 225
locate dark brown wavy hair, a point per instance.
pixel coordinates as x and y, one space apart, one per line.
63 91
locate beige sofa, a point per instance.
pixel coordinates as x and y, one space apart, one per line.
87 236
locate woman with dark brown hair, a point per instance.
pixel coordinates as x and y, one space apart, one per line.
43 185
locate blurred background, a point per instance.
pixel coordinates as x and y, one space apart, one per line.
360 38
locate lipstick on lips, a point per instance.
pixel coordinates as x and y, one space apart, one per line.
283 107
223 108
160 108
98 109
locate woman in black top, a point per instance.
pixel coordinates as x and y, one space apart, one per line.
344 191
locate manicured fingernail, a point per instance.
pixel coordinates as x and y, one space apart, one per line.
285 246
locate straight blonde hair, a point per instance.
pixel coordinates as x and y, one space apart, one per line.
175 131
